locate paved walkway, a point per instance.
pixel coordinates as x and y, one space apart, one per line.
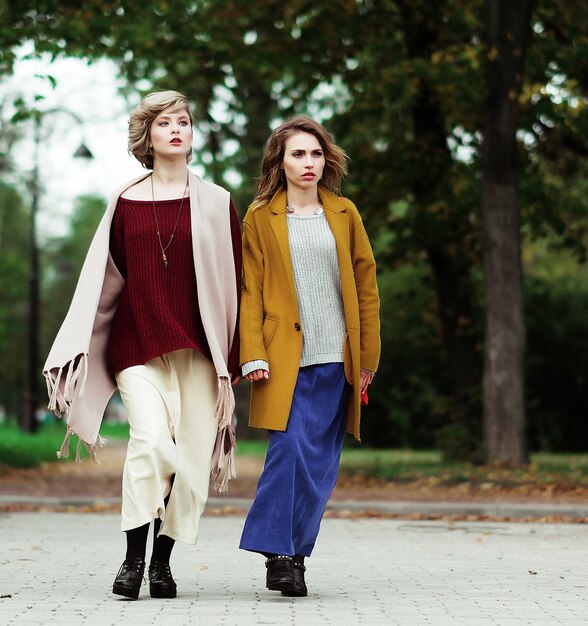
504 511
57 568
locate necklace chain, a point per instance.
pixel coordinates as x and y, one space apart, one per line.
161 246
318 211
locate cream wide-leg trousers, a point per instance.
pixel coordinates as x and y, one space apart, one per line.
170 403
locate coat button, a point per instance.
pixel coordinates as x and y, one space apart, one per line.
297 327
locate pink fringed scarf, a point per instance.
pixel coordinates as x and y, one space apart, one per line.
78 381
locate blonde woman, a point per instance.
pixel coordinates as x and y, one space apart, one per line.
310 340
155 314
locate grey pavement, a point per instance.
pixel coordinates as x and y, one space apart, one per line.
58 569
512 510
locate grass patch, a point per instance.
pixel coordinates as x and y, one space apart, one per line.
547 471
20 449
251 448
419 466
397 465
557 462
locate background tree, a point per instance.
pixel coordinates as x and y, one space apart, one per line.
504 405
14 247
14 229
62 261
402 86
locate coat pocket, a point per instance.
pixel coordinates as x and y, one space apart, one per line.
268 330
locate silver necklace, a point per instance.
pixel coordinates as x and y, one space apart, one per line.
318 211
162 248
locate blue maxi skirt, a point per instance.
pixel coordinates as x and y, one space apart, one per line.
301 466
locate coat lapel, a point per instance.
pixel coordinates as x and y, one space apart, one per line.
280 227
338 220
339 224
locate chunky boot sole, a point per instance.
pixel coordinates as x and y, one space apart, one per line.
293 592
126 591
161 581
162 592
298 589
128 581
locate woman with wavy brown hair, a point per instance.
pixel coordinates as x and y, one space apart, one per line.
310 341
155 314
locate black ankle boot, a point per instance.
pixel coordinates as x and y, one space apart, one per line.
161 582
129 578
298 589
279 572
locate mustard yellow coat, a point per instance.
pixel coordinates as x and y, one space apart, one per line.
270 326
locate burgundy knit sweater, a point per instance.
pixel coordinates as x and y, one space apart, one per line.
158 310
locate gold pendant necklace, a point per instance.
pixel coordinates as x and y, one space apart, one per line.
162 248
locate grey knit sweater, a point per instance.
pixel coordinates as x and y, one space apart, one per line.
318 290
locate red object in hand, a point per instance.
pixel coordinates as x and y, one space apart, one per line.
364 398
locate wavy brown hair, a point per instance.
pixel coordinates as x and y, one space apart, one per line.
142 117
270 180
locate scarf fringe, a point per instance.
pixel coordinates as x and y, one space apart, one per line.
225 403
60 399
223 460
57 402
223 467
63 452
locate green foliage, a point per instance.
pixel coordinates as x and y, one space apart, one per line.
14 231
425 469
62 261
251 448
406 399
556 300
391 463
409 399
401 85
460 444
20 449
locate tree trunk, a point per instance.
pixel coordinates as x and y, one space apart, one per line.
503 379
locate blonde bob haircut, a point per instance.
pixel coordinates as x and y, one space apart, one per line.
272 180
142 117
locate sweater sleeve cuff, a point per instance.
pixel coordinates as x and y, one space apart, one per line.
251 366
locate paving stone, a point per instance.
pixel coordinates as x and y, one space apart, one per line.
59 569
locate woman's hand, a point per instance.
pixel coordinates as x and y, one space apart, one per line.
366 378
257 375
